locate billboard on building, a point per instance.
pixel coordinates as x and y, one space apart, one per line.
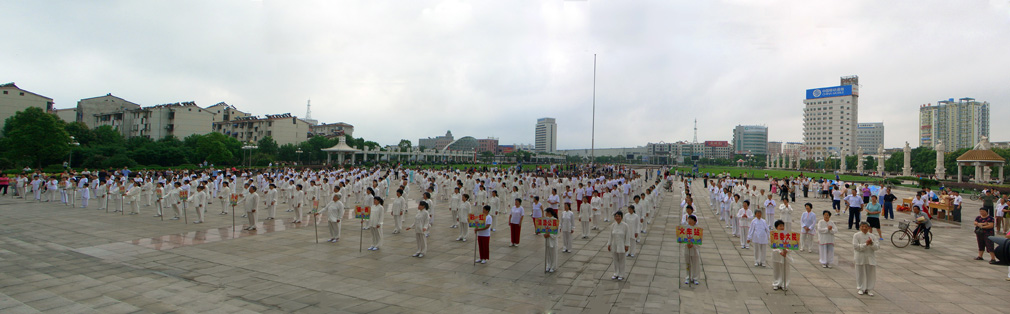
716 143
834 91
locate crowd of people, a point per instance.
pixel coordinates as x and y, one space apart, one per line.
584 198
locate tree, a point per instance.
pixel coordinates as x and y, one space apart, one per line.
267 145
81 133
106 135
404 145
35 137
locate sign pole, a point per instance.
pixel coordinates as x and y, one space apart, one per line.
184 214
122 204
161 212
476 239
106 197
785 273
232 219
316 225
361 235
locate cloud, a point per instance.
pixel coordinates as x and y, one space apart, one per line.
413 69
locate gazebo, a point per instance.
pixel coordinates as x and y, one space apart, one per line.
983 159
341 149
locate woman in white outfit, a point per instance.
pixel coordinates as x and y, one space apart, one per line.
420 225
808 226
567 228
758 235
826 237
619 244
864 250
375 220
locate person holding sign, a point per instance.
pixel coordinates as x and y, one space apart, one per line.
864 250
779 256
421 223
334 213
567 228
619 244
463 217
550 240
483 232
758 234
375 220
252 203
826 237
692 255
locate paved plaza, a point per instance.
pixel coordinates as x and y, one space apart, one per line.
58 259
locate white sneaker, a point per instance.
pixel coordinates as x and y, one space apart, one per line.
478 261
483 261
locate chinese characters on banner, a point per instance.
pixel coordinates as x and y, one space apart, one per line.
689 235
233 200
477 221
786 240
362 212
183 195
545 225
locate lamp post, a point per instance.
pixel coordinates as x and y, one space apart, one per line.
248 149
299 160
70 162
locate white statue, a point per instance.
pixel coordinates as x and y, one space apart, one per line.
983 144
907 170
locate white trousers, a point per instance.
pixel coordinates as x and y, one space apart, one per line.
199 212
779 278
807 242
743 235
827 254
334 229
551 250
376 236
398 222
735 222
619 262
422 243
693 266
464 227
566 240
760 253
252 218
866 277
585 227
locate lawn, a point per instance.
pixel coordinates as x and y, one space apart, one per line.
756 173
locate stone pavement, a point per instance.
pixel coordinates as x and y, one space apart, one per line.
62 260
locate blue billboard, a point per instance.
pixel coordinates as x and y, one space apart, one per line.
834 91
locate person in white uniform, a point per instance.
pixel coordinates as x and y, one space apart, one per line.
567 228
692 256
780 280
758 235
808 227
398 211
375 220
252 203
334 215
826 230
551 243
744 216
619 243
198 201
420 225
864 250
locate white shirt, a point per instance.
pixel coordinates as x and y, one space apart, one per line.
758 233
486 232
516 215
864 254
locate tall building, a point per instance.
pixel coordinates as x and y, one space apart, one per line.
14 99
750 139
438 142
283 128
959 124
774 148
489 144
718 149
156 122
869 136
546 135
105 110
830 116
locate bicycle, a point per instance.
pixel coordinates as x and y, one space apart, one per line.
903 237
975 194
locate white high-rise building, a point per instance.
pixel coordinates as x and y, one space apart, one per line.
546 135
869 137
830 117
960 124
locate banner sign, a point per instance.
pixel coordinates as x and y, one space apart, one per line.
477 221
834 91
545 225
362 212
689 235
785 240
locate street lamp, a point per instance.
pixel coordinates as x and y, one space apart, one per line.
248 148
299 160
70 162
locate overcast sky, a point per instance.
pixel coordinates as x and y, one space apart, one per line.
410 69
